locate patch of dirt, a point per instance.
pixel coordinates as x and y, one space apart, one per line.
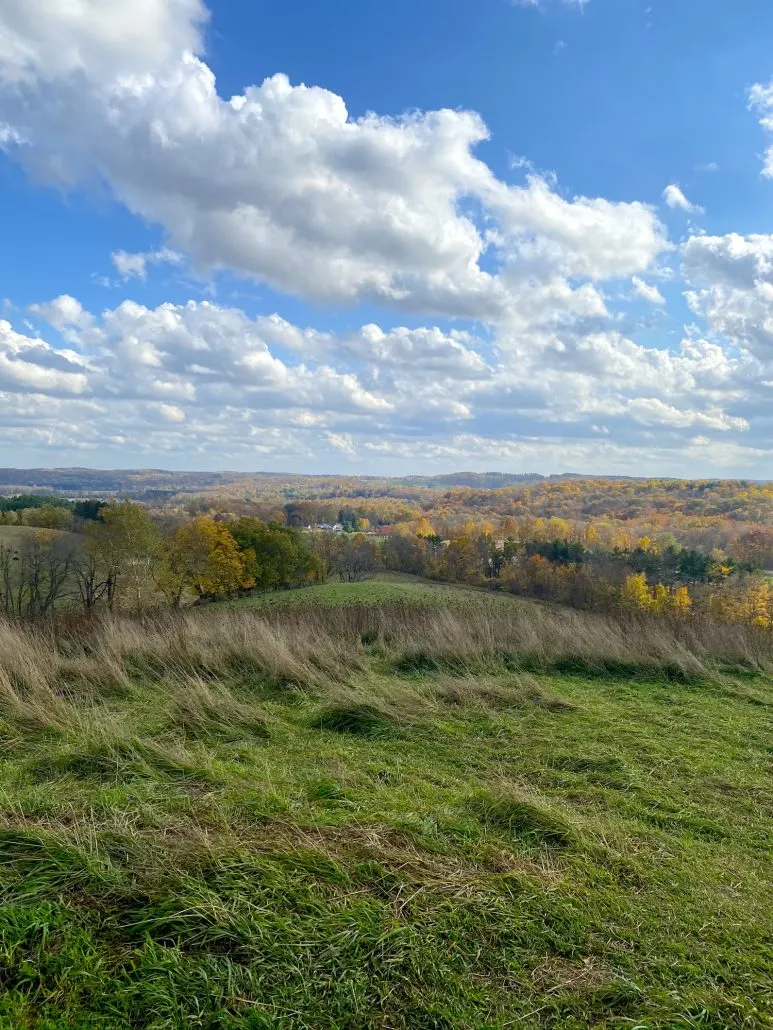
553 975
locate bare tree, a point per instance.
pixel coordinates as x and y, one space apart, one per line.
127 543
355 560
93 579
33 577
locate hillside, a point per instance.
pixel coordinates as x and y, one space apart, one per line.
13 536
392 814
379 589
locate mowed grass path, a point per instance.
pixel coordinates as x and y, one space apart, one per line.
407 848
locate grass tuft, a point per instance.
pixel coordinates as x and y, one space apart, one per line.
523 818
360 720
587 763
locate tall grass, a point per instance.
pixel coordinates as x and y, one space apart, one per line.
48 672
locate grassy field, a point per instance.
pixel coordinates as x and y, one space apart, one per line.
12 536
387 816
385 587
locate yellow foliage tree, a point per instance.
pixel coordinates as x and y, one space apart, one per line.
680 602
590 535
661 599
635 594
204 556
757 605
424 528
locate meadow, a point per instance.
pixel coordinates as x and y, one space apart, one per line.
14 536
436 811
377 589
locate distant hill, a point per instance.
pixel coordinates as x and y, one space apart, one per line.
479 480
132 481
146 480
156 484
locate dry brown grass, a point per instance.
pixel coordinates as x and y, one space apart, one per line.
52 674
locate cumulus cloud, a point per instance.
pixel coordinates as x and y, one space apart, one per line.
32 366
63 312
51 39
418 350
675 198
733 280
279 183
648 291
582 237
198 378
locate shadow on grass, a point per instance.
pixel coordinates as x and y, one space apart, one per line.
522 818
359 720
420 663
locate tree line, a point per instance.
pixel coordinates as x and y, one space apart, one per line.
125 557
655 576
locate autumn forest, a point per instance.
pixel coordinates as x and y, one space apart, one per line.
672 548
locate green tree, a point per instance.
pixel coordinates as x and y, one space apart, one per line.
48 516
282 557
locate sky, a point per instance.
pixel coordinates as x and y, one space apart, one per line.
384 239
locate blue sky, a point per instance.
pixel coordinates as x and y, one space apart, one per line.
488 236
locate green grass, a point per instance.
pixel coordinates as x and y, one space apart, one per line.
382 588
398 850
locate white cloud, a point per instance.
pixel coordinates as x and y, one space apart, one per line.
544 3
342 442
32 366
761 100
200 354
733 276
186 380
171 412
48 39
279 182
282 185
648 291
62 312
675 198
130 266
309 343
593 238
418 350
652 411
